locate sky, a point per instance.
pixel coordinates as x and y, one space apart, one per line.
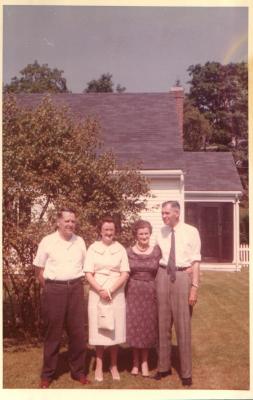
146 49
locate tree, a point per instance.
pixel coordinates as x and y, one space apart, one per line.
103 84
49 161
220 93
197 129
36 78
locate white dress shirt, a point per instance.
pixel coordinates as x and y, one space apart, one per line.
187 244
62 259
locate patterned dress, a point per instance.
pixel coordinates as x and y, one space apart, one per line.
141 305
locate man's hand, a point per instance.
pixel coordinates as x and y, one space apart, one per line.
41 281
39 276
193 296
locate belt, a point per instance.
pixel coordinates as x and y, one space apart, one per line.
68 282
177 268
142 279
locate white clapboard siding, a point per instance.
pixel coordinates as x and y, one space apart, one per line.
161 190
244 255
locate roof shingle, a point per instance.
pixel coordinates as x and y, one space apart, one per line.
144 127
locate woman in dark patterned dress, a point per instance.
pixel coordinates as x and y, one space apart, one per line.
141 307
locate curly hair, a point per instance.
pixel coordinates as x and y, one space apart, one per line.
140 224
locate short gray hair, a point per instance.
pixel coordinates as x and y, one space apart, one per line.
172 203
65 209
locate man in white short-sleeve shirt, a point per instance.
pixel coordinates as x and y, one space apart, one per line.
59 266
177 285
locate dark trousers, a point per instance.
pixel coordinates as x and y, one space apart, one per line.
173 308
63 307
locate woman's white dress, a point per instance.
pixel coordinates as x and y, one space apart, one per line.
107 262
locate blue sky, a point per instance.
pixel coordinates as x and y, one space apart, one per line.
145 48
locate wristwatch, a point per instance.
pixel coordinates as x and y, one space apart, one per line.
195 285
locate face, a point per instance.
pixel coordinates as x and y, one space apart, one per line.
143 236
108 232
170 215
66 224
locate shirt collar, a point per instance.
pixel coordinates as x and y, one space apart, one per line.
59 238
176 227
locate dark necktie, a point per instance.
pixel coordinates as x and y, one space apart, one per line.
172 258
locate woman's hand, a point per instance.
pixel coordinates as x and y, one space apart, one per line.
103 293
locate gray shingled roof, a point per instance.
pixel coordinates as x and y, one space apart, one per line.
140 127
212 171
144 127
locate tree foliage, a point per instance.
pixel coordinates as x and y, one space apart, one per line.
103 84
220 92
36 78
197 129
49 161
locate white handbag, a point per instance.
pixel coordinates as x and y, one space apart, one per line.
105 315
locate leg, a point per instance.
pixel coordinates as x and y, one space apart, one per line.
135 368
99 363
164 320
144 362
75 323
114 368
182 320
54 302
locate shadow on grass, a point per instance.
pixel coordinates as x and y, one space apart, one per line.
124 361
63 363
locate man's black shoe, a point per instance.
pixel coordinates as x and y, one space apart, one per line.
186 381
159 375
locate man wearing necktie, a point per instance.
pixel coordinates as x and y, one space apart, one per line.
177 284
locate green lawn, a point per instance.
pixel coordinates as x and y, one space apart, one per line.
220 346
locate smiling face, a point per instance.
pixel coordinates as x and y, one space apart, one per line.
108 232
66 225
143 236
170 215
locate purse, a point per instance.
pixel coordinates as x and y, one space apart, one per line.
105 315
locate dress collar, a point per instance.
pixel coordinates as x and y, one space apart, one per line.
101 248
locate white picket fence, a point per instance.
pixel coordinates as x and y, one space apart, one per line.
244 255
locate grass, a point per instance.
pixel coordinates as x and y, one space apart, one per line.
220 343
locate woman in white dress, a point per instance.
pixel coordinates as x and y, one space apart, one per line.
106 270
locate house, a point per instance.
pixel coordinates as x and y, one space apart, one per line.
148 127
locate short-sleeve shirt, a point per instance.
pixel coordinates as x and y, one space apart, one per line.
187 244
62 259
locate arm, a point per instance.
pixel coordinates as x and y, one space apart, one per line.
89 274
93 283
39 275
195 283
120 282
124 273
40 261
103 293
196 246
